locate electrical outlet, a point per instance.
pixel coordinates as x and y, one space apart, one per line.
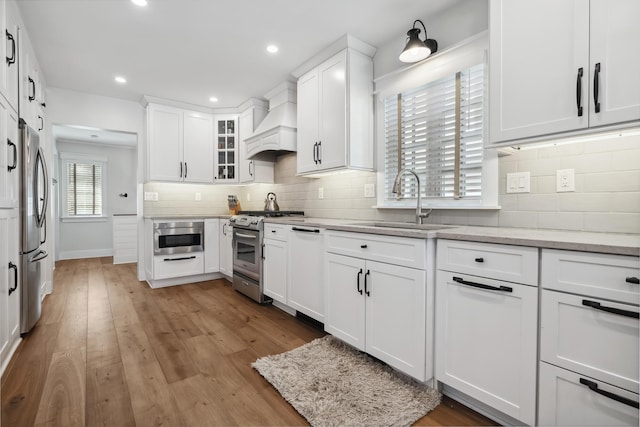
565 180
369 190
519 182
321 193
151 195
198 196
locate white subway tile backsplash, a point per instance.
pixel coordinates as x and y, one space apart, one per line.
612 222
561 220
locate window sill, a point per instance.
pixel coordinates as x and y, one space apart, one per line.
85 219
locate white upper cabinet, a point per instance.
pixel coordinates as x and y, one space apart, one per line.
31 90
9 79
576 72
226 169
252 170
180 145
335 113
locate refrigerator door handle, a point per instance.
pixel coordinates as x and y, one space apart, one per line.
39 256
41 213
44 226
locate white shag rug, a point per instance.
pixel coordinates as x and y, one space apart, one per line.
332 384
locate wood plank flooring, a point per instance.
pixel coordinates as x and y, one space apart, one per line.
110 351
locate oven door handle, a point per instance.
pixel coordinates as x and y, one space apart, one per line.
246 236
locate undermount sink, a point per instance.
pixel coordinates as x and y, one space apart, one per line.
408 225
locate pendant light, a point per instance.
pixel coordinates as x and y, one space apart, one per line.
416 49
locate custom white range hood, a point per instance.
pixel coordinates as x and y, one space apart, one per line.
277 132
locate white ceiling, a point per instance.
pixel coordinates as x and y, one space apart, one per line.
190 50
84 134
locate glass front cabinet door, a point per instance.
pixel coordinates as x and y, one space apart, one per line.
226 149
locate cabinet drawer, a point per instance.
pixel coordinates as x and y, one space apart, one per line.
517 264
392 250
606 276
581 338
277 232
168 266
565 401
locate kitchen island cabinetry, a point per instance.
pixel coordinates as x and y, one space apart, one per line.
180 145
275 255
486 333
335 113
589 339
578 73
379 307
306 271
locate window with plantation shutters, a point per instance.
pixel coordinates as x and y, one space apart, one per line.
437 130
83 186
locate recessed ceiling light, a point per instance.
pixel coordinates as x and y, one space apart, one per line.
272 48
120 79
139 2
213 99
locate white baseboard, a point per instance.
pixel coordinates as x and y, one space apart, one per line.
88 253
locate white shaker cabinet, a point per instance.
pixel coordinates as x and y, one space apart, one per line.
9 289
9 78
180 145
252 170
226 138
226 248
306 271
275 254
211 245
9 155
335 114
576 72
486 327
381 308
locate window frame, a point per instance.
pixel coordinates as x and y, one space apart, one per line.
67 158
464 55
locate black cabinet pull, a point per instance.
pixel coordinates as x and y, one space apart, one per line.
180 259
319 152
250 163
596 87
598 306
593 386
41 123
180 169
262 250
363 246
479 259
366 287
633 280
14 267
482 286
358 282
11 59
315 153
15 157
33 86
579 91
185 170
306 230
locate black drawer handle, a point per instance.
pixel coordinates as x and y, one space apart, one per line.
11 59
479 259
366 287
358 282
598 306
482 286
596 87
179 259
14 267
633 280
363 246
594 387
32 85
579 91
306 230
15 157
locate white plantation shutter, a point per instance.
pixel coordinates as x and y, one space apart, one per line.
84 184
437 131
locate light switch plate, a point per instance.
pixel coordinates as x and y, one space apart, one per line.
151 195
321 193
369 190
198 196
519 182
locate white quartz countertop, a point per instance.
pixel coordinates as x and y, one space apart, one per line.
610 243
185 217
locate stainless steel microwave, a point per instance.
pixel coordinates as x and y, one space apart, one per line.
172 237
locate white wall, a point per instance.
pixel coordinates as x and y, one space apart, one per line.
79 239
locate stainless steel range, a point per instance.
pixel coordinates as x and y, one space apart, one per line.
248 232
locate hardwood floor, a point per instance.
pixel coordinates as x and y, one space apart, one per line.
111 351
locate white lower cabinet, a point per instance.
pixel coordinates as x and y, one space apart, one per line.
306 275
211 245
274 269
9 289
377 307
170 266
570 399
226 248
486 329
589 339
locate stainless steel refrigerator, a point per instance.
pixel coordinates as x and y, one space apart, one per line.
34 195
